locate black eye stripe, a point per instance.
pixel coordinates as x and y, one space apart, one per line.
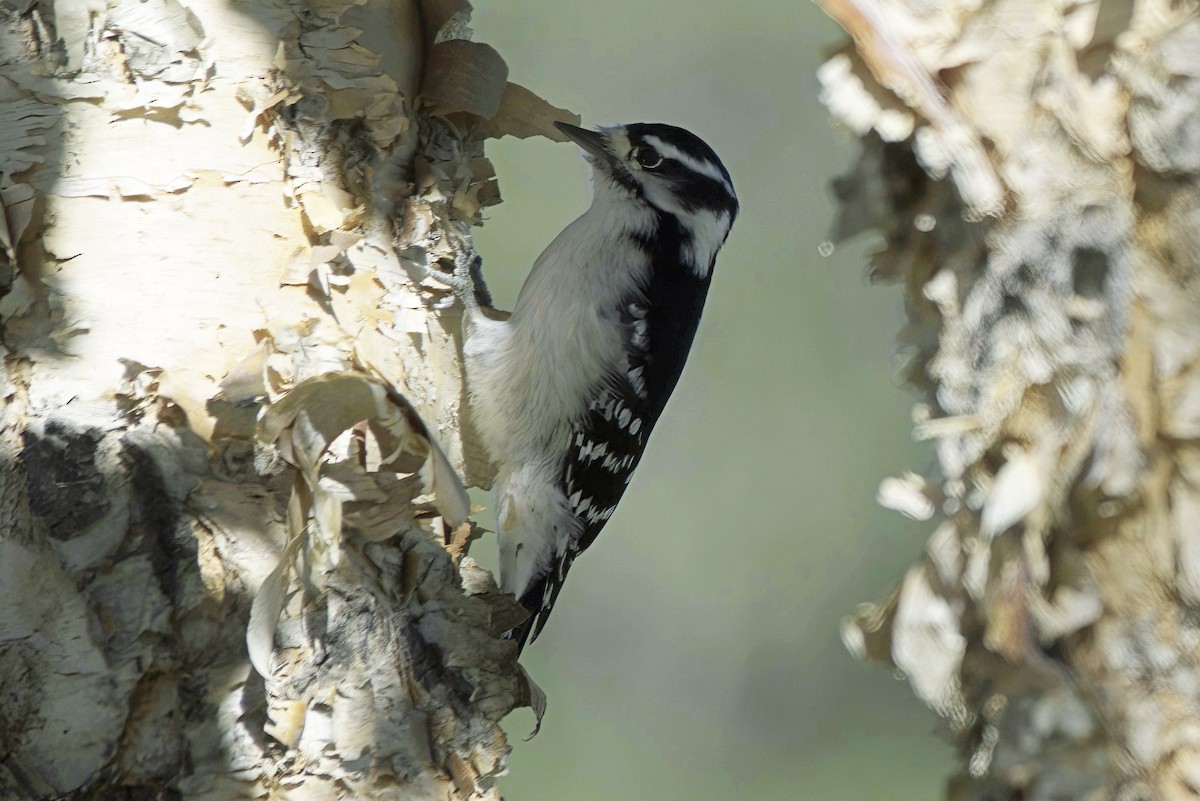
678 170
697 192
684 176
694 191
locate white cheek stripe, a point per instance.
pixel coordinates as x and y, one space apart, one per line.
705 168
705 233
701 249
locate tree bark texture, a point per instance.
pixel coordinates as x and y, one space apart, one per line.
1034 170
232 556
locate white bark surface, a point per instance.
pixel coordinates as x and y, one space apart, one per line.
1035 172
231 416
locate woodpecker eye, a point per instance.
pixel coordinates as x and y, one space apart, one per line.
648 157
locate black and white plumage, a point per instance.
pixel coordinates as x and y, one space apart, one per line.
566 391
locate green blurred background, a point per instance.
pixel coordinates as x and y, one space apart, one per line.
695 652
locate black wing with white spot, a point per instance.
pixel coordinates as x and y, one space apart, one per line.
604 452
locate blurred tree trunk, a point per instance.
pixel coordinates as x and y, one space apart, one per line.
1034 170
220 361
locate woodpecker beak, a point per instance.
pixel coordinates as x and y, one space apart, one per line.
594 143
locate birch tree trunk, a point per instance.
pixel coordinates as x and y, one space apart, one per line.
1034 169
232 557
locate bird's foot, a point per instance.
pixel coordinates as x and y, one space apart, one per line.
465 277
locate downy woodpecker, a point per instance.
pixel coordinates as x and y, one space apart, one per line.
566 390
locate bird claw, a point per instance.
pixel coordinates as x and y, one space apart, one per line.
465 279
451 278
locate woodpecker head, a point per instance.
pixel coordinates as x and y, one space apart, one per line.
670 171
